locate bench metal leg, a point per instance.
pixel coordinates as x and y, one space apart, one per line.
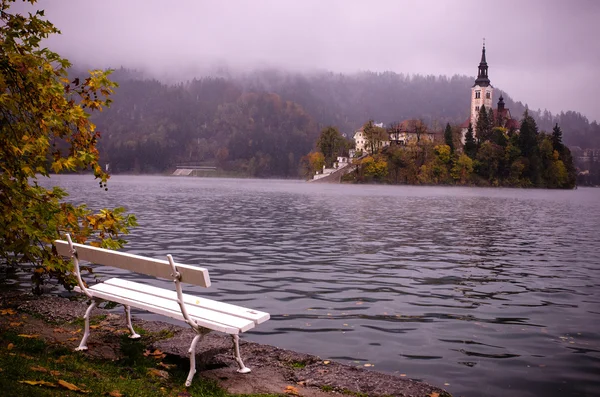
236 347
134 335
192 352
86 334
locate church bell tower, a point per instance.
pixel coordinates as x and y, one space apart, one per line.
482 91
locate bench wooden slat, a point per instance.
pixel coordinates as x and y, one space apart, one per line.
160 310
135 263
254 315
197 313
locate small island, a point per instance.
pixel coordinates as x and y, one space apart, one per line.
489 149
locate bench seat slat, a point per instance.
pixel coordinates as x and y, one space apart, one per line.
256 316
204 317
238 323
159 310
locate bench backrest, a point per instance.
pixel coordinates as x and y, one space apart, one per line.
135 263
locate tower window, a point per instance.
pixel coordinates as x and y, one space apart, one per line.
477 108
477 94
487 95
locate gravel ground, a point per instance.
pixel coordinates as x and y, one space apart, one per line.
274 370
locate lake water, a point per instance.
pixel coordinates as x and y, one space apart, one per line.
485 292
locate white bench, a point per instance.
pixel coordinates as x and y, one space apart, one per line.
200 313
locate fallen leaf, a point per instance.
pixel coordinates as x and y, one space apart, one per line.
94 326
8 312
70 386
326 362
291 390
156 354
26 356
115 393
166 366
72 339
33 336
369 365
434 394
54 373
159 373
76 331
16 324
10 346
59 330
38 369
38 383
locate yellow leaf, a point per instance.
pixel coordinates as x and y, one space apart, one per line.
166 366
368 365
28 336
10 346
115 393
159 373
94 326
70 386
71 339
38 383
16 324
326 362
434 394
291 390
9 312
38 369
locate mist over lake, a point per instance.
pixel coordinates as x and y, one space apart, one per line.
485 292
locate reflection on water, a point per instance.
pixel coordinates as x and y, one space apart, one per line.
492 291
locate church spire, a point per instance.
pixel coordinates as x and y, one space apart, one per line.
482 75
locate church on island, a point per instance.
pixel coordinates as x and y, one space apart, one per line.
482 94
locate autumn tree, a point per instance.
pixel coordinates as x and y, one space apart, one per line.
375 136
44 126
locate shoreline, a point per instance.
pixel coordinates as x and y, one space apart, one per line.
274 369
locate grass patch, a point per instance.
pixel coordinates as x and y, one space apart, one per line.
80 322
31 359
327 388
298 364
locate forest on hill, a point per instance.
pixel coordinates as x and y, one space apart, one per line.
264 122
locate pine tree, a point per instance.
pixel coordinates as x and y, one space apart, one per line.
470 144
448 137
483 127
528 135
557 139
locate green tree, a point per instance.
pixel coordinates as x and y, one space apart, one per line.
44 126
470 148
483 126
557 138
448 137
330 143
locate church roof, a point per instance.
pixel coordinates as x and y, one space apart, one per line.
482 74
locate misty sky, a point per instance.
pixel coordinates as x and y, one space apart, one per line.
545 53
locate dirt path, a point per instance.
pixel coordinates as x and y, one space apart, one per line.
274 370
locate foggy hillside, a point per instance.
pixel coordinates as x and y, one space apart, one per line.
263 122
